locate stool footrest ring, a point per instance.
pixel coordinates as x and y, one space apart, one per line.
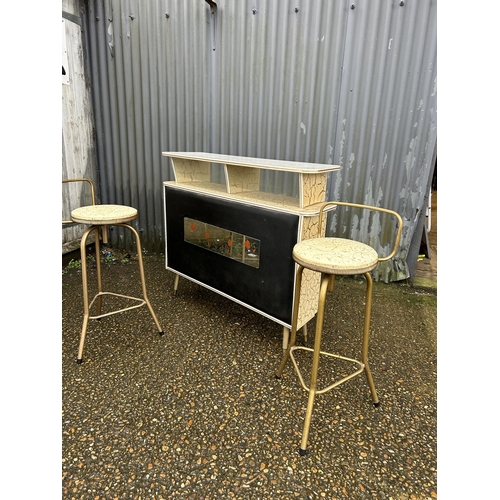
100 294
335 384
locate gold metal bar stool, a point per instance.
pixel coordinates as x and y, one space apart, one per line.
102 216
334 256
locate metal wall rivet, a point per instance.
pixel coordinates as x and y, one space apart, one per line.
132 17
353 6
254 11
401 3
296 9
167 15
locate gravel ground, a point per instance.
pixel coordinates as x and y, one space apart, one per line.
198 413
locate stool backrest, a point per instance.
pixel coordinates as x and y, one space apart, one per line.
369 207
92 192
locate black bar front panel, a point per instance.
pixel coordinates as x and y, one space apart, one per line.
268 288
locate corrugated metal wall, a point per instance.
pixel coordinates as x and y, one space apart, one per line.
345 82
386 134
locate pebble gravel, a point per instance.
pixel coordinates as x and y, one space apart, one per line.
198 412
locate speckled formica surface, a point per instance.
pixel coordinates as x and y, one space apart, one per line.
335 256
198 414
104 214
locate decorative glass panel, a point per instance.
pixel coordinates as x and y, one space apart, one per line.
234 245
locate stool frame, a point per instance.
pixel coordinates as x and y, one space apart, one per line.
327 284
100 293
88 304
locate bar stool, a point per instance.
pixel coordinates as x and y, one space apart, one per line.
100 217
334 256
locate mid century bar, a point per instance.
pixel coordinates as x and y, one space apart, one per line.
236 238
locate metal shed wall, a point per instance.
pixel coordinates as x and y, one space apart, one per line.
312 80
386 135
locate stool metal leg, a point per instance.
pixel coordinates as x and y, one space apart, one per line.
86 308
366 335
98 268
331 283
143 278
314 372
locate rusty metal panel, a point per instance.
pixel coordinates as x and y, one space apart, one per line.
333 81
386 133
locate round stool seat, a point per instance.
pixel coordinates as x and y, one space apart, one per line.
104 214
335 256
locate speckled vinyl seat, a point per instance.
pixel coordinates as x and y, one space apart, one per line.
334 256
100 217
